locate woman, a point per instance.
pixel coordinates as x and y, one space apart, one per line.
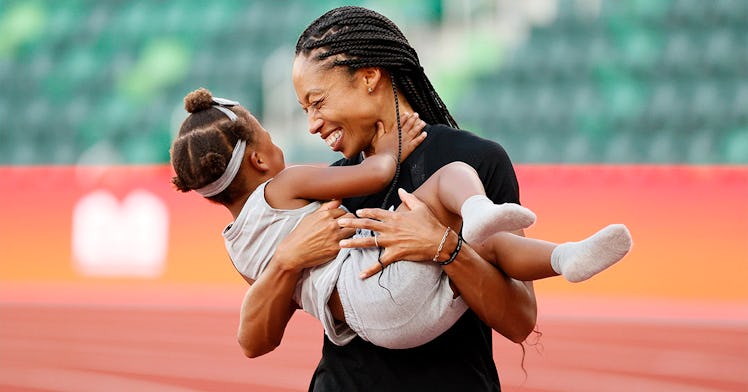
353 67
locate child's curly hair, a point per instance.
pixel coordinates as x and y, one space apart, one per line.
206 140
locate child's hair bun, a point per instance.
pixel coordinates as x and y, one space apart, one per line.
198 100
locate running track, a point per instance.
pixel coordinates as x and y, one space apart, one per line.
65 338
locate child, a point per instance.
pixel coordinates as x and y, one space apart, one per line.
268 200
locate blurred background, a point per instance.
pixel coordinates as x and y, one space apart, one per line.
570 81
613 111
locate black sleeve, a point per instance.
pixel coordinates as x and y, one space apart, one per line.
497 174
346 162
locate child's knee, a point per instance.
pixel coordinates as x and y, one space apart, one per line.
459 168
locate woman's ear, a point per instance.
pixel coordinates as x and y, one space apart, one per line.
371 77
258 162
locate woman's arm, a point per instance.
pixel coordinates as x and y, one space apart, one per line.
266 310
268 303
505 304
372 175
508 306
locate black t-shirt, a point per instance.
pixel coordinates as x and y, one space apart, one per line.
461 359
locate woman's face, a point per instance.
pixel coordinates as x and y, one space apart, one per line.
338 105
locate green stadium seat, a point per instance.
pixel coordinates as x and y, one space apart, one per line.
702 147
624 147
578 149
688 12
735 146
642 81
662 147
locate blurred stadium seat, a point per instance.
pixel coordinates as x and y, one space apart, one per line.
628 81
642 81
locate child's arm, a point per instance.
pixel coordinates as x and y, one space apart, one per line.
337 182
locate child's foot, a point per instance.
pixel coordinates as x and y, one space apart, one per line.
578 261
481 218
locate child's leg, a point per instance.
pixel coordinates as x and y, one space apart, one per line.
519 257
530 259
455 192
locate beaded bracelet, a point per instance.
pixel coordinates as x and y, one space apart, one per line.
454 254
441 244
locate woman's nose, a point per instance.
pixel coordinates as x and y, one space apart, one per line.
315 124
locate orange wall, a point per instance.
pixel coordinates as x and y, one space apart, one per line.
690 225
36 205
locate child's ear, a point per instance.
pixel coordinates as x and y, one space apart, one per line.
258 161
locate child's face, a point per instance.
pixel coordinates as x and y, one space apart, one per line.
272 154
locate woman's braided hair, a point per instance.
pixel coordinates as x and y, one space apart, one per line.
365 38
357 37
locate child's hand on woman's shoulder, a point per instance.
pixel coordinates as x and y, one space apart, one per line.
386 140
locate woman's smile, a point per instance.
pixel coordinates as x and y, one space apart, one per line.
334 139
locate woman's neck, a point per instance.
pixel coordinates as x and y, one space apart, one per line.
390 121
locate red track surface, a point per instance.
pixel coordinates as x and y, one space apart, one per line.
169 340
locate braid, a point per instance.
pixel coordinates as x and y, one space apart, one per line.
399 150
393 184
364 38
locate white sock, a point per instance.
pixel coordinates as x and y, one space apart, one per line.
481 217
578 261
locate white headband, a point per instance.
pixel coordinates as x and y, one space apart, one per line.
227 177
237 156
221 103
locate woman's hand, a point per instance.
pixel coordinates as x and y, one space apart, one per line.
315 240
411 233
386 142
